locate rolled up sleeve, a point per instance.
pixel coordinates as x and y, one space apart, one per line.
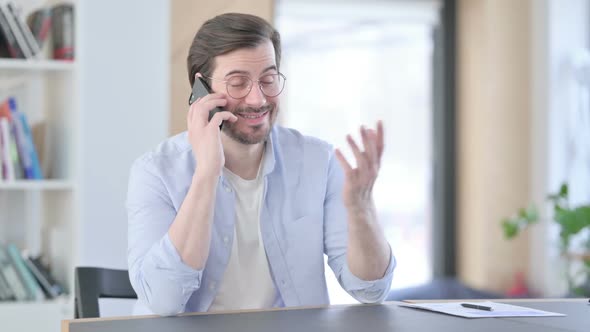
336 242
373 291
162 281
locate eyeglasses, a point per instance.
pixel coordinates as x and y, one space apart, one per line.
239 87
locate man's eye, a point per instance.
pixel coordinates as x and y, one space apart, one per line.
238 82
267 80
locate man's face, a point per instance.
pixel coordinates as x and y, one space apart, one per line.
256 112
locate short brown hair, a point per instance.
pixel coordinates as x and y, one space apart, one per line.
226 33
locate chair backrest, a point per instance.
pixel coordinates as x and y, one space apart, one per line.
93 283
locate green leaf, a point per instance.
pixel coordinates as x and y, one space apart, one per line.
563 191
510 228
560 196
522 213
573 221
532 214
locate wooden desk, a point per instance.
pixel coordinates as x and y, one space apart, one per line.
344 318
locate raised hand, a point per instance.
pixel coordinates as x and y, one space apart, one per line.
359 181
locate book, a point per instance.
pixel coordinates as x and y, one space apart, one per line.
18 36
7 165
24 30
23 143
51 288
3 166
6 293
9 40
16 164
10 275
40 24
62 31
32 150
34 290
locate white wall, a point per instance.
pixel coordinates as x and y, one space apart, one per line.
560 28
124 58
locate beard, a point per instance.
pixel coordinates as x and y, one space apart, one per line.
258 133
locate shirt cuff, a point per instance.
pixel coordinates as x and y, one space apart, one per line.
369 291
168 263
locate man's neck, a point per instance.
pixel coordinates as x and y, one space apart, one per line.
242 159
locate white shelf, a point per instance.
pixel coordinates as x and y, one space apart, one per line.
36 65
35 316
39 185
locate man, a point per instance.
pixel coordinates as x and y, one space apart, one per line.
240 217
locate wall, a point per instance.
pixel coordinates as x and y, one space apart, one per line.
186 18
493 138
124 88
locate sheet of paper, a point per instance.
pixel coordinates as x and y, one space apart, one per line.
498 309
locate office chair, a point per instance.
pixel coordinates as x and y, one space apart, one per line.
93 283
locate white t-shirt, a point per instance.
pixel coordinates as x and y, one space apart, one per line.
247 282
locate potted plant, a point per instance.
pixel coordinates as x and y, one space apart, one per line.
574 236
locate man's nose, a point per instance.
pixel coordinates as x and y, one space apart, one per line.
256 98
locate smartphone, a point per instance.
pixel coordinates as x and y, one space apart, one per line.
200 90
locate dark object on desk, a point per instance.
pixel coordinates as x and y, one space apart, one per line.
442 288
93 283
475 306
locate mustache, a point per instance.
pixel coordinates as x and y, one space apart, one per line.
264 108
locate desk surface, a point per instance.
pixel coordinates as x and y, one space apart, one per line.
385 317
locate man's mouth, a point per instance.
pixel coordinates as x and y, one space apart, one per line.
254 118
253 115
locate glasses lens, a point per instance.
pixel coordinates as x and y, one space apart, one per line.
239 86
272 85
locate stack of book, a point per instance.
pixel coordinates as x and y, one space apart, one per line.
25 278
17 39
18 155
25 40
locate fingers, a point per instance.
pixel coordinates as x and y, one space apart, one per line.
361 158
369 158
380 139
219 117
199 110
369 145
343 162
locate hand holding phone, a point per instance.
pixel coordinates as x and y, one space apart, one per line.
200 90
203 129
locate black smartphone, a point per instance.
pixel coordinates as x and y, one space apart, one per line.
200 90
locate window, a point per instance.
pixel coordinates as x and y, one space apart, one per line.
355 63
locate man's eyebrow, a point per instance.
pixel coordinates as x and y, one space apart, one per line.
273 67
244 72
236 72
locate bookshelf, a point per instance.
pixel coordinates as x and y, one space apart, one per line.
95 116
41 215
36 185
24 65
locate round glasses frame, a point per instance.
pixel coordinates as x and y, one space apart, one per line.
282 80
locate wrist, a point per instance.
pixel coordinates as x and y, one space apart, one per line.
361 209
203 178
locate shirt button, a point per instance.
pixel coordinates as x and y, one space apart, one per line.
227 188
225 239
283 282
212 285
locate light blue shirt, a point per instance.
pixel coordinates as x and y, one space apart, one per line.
302 217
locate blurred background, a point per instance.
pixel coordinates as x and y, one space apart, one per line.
485 103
